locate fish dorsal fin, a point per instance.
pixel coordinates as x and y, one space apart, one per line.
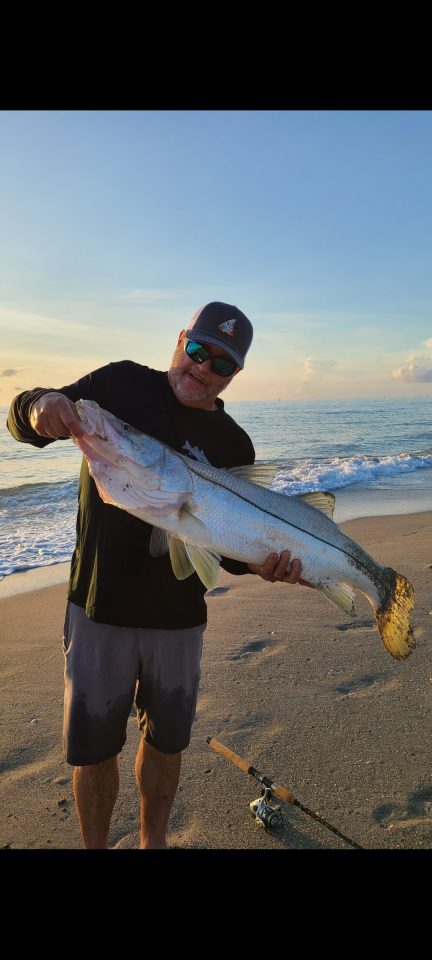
158 542
342 595
321 500
182 567
261 473
205 563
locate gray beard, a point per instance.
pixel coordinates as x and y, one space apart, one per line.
180 389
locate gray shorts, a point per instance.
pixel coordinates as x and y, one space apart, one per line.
108 668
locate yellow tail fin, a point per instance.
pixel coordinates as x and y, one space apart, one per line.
394 619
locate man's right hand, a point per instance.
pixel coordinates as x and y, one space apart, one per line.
56 417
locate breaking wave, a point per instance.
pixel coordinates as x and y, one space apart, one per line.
332 473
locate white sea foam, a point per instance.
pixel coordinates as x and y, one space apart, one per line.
332 473
37 525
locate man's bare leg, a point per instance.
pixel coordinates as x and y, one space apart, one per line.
157 776
95 789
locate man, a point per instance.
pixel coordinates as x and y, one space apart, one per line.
133 632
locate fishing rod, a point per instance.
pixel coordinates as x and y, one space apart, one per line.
266 813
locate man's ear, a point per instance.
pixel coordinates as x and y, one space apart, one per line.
181 337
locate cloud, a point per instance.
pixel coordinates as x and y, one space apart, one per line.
413 372
151 295
313 369
418 368
317 368
308 370
40 323
8 373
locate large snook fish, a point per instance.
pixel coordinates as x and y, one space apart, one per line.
200 512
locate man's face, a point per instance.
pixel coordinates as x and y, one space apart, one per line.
194 384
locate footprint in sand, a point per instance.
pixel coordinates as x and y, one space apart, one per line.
253 646
64 805
361 686
356 625
417 813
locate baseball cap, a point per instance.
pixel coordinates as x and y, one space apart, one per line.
222 325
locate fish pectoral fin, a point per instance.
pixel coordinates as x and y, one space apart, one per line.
158 542
182 566
342 595
261 473
187 557
321 500
205 563
192 527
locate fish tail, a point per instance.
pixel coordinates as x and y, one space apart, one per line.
393 615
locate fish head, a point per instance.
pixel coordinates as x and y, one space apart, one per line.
115 441
131 470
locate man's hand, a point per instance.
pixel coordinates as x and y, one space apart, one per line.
54 416
279 568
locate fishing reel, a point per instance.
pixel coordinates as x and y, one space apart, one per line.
266 813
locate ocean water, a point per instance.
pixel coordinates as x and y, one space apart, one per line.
375 455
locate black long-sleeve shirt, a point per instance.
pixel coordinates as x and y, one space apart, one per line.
113 577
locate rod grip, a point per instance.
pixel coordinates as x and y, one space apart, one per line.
280 792
229 754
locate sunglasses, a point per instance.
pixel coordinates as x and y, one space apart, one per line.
220 365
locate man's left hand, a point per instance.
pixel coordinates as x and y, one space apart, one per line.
279 568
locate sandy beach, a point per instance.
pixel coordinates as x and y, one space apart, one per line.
301 692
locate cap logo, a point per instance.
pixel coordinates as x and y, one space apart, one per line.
227 327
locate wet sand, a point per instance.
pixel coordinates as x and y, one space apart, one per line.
288 682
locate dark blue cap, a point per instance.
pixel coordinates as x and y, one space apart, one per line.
222 325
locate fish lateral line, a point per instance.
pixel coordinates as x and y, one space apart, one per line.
269 513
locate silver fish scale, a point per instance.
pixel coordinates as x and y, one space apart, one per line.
247 522
292 510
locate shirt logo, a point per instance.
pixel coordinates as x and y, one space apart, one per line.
227 327
195 453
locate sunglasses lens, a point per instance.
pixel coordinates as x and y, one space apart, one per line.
220 365
223 367
196 351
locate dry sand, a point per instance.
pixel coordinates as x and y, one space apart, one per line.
304 694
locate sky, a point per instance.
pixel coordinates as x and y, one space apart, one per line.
115 226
